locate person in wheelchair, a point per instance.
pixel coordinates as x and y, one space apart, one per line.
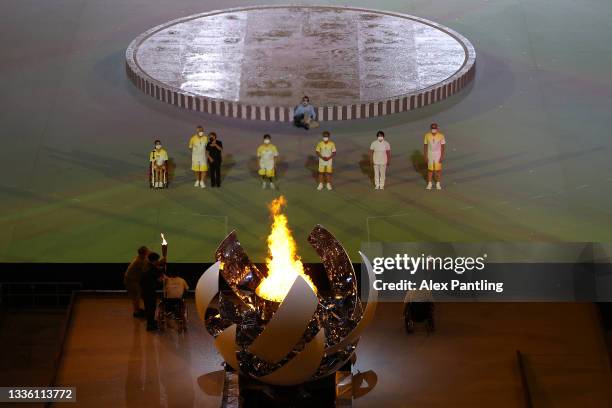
418 308
158 159
174 291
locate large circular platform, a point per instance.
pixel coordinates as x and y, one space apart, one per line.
258 62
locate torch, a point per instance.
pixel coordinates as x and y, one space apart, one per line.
164 246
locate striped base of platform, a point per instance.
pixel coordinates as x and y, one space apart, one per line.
433 66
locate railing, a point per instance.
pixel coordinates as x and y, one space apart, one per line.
37 295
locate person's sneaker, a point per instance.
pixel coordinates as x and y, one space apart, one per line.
320 186
381 187
139 314
197 183
153 327
438 186
263 184
428 186
272 186
202 185
329 187
376 188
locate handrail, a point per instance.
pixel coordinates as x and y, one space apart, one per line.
62 345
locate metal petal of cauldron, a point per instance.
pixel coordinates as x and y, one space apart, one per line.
308 336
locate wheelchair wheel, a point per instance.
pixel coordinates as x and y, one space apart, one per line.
182 319
161 316
409 324
429 324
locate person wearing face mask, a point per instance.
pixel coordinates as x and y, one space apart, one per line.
158 159
304 115
326 150
380 158
433 150
214 149
197 145
267 154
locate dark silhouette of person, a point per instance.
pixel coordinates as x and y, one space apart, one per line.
214 147
149 282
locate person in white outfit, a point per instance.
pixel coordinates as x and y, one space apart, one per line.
380 158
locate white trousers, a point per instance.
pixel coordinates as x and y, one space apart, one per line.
379 174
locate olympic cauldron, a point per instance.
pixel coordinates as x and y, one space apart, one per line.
289 338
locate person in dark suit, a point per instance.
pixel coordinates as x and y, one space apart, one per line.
149 282
214 148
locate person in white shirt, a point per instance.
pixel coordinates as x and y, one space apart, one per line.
380 158
174 290
175 286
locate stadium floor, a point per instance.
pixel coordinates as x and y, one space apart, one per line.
469 361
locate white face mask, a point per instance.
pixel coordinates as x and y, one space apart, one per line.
267 141
157 147
325 139
434 131
304 103
201 133
380 138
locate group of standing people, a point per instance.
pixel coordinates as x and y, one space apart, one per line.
207 155
206 151
142 279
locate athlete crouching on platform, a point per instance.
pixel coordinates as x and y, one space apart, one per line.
267 154
199 165
326 150
433 150
304 115
159 165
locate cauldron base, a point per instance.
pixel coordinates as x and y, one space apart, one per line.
335 390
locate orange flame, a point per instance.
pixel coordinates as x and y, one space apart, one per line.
283 263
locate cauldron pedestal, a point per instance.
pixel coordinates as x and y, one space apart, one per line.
335 390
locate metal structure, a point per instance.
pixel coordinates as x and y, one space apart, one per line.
306 337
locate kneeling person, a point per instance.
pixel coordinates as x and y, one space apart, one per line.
304 115
267 154
326 150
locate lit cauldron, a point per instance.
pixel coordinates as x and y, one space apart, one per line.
275 326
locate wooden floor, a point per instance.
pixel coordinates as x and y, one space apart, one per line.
469 362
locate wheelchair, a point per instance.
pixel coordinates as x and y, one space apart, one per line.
172 312
419 308
153 180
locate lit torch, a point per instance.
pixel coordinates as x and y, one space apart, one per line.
164 246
